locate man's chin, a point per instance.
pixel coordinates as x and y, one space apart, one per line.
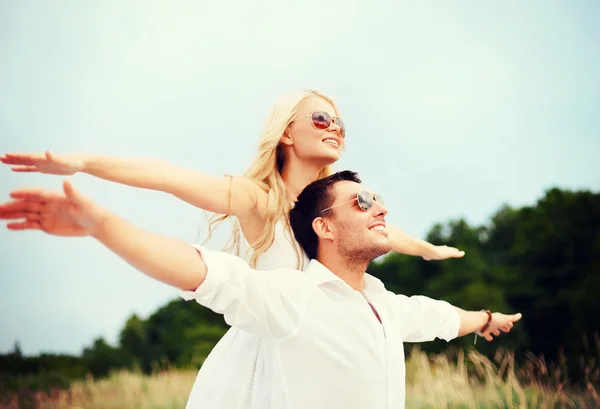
385 249
381 247
382 239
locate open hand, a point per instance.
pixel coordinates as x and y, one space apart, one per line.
43 163
60 214
500 322
443 252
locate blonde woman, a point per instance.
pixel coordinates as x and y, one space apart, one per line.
303 136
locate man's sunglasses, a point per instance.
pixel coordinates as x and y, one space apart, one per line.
322 120
364 199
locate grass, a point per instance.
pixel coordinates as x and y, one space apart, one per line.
454 380
470 380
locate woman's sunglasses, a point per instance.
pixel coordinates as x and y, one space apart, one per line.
322 120
364 199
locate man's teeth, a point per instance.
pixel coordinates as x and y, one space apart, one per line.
331 142
378 228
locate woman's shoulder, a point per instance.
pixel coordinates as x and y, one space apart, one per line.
284 252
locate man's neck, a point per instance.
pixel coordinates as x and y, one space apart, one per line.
351 272
297 175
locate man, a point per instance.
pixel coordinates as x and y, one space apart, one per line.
335 334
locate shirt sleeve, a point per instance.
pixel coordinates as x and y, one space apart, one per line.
424 319
269 304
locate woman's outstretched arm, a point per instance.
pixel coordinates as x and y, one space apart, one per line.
212 193
406 244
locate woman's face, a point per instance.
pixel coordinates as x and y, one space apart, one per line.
314 134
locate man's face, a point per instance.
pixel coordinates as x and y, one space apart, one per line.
359 235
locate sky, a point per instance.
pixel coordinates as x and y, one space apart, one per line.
452 110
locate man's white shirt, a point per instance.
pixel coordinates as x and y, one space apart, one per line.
322 345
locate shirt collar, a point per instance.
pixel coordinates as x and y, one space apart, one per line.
318 274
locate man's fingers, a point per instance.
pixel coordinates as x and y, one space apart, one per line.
34 207
21 210
22 205
35 225
33 216
74 195
12 215
516 317
17 215
15 205
496 332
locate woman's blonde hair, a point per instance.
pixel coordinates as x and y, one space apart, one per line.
266 170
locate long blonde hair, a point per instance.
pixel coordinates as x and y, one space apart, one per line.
265 171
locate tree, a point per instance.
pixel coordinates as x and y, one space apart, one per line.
17 350
101 358
134 342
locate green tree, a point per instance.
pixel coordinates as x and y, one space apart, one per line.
554 249
102 358
134 342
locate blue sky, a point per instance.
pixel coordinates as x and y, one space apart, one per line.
452 110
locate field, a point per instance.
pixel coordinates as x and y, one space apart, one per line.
442 381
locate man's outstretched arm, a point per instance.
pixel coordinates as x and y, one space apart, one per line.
268 305
163 258
426 319
490 325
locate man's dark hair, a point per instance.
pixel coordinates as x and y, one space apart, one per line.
311 201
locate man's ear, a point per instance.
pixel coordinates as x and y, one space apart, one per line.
286 138
323 228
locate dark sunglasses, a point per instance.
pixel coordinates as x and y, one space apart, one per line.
322 120
365 201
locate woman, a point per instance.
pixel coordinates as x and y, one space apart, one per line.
302 138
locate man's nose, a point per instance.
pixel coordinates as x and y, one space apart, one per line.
379 209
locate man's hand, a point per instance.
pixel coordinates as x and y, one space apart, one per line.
60 214
500 322
44 163
442 253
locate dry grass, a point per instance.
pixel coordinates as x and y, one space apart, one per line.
473 381
462 381
122 390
